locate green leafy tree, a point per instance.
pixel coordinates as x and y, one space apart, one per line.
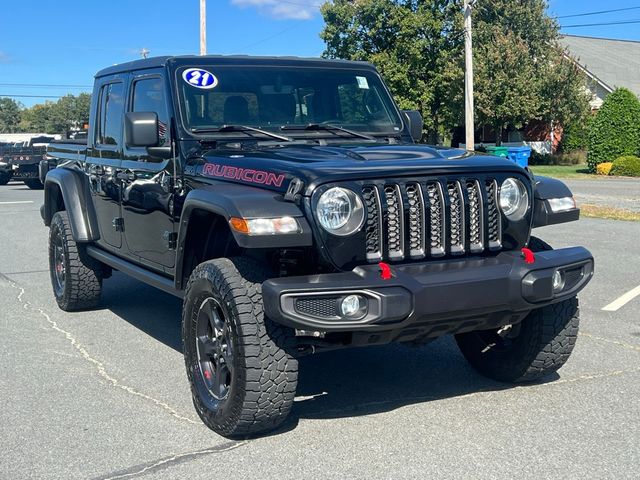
615 131
38 118
68 112
9 115
410 42
522 72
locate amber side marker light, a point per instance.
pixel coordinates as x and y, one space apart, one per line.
265 226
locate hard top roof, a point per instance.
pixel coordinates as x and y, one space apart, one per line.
155 62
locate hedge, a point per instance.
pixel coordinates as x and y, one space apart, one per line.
628 166
615 131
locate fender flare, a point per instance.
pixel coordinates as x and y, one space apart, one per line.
74 188
545 189
234 200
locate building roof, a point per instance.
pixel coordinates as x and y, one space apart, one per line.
155 62
613 63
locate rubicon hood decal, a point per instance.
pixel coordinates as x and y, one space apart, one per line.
249 175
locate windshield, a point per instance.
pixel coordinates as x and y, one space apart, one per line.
271 98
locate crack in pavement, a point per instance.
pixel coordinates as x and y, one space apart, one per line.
97 363
169 461
608 340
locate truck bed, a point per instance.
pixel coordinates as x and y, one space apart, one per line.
73 150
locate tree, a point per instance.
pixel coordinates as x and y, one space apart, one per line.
615 131
521 72
68 112
38 118
410 42
9 115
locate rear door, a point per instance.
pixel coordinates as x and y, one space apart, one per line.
147 181
104 156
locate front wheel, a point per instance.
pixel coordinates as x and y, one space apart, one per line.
34 184
528 351
240 365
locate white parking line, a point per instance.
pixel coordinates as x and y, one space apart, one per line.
621 301
13 203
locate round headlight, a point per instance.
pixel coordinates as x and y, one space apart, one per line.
514 199
340 211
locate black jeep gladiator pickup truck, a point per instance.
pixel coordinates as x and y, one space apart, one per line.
286 202
21 161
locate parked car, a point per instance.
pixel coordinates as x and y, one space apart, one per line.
286 202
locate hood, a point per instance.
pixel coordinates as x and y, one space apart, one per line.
274 167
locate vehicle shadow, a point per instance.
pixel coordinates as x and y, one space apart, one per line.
151 311
342 383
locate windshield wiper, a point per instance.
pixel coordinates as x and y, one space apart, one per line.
241 128
327 127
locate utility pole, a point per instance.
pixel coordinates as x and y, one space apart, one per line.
468 76
203 27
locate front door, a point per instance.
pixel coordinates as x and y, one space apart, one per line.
147 183
104 156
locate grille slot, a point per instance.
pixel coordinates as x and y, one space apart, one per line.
416 221
431 218
317 307
437 220
373 225
476 217
395 222
494 222
456 211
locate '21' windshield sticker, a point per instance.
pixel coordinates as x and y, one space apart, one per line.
199 78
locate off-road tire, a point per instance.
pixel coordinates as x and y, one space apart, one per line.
82 275
264 372
34 184
5 178
543 344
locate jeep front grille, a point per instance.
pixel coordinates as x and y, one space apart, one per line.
419 219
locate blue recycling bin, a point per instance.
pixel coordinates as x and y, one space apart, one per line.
520 155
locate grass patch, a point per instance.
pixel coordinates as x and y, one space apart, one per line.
595 211
562 171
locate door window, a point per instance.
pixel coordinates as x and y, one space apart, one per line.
148 96
109 131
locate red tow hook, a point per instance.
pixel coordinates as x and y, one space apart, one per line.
528 255
385 271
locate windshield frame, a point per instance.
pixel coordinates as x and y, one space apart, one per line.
296 135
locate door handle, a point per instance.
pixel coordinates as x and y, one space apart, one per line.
126 176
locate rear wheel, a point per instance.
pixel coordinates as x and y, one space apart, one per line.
34 184
76 278
528 351
240 365
5 177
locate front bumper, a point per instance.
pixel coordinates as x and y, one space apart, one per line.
435 298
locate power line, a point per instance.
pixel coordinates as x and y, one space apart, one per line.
32 96
601 12
600 24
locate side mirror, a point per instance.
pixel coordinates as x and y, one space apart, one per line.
141 129
415 122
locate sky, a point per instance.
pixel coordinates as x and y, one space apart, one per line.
62 44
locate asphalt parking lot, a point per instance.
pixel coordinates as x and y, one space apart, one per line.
103 394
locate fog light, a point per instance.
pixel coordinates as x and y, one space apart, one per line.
353 306
558 281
